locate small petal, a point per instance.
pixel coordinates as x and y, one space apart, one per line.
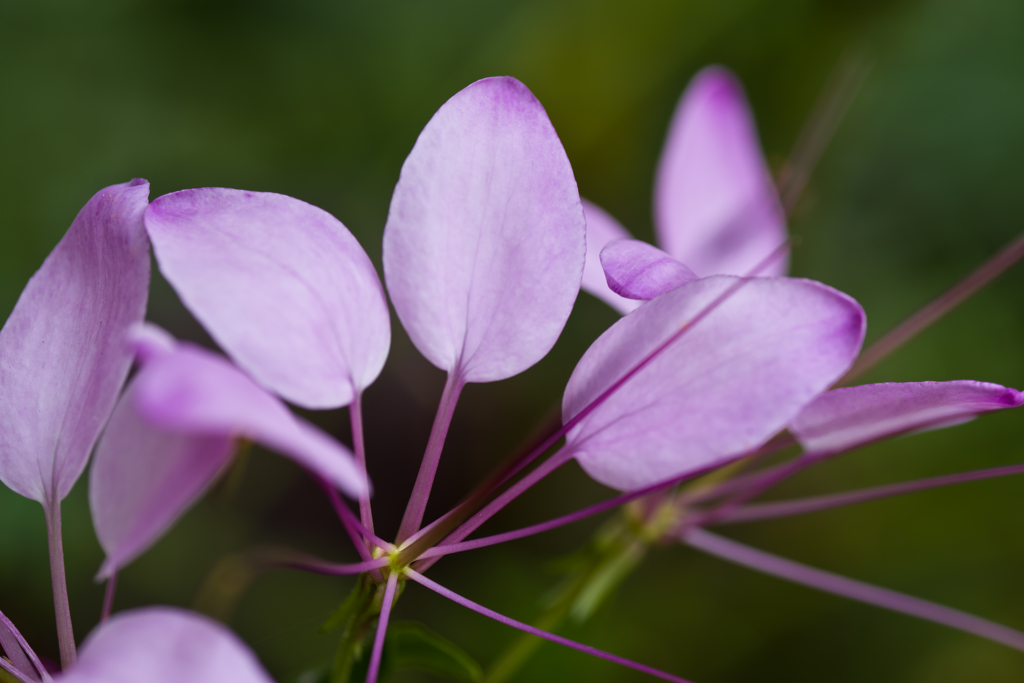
602 229
193 391
143 478
281 285
636 270
715 205
730 382
485 239
853 416
164 645
62 353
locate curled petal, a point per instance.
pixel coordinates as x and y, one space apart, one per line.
142 478
62 353
485 239
853 416
636 270
602 229
715 205
193 391
281 285
725 386
164 645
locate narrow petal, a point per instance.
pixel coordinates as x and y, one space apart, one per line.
853 416
715 205
192 391
730 382
485 239
602 229
143 478
62 353
636 270
164 645
281 285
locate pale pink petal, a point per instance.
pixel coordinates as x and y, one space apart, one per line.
715 206
853 416
730 382
63 357
143 478
281 285
636 270
164 645
485 239
602 229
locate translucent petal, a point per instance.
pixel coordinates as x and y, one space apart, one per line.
485 239
63 357
852 416
636 270
281 285
715 206
723 388
602 229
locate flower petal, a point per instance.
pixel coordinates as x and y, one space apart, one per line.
164 645
192 391
62 353
636 270
142 478
602 229
730 382
715 205
281 285
853 416
485 239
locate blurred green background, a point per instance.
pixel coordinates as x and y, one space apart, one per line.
322 100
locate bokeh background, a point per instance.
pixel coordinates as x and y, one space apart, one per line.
323 99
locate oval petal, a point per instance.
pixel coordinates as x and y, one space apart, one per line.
63 358
602 229
715 205
637 270
283 287
485 239
724 387
164 645
853 416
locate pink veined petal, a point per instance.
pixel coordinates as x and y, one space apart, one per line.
715 206
62 353
164 645
736 378
485 238
281 285
143 478
193 391
636 270
602 229
853 416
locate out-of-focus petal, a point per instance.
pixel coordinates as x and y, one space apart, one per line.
281 285
192 391
723 388
636 270
142 478
715 206
485 239
62 353
602 229
164 645
853 416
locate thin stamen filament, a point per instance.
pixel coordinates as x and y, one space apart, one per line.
108 597
849 588
480 609
800 506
